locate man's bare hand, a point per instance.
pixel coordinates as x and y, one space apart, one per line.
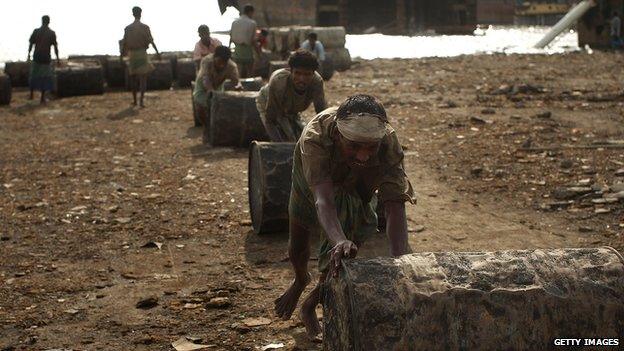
344 249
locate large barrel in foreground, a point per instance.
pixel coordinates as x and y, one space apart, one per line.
80 78
508 300
5 89
234 119
19 72
270 174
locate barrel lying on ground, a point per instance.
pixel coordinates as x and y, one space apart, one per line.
185 72
341 58
79 78
18 71
248 84
234 119
115 71
508 300
270 173
160 78
5 89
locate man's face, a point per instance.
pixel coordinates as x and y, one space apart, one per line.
220 63
301 78
357 154
204 35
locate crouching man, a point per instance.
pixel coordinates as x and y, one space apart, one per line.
289 92
343 157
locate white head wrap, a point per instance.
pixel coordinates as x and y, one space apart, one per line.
362 127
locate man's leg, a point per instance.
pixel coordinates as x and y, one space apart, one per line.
143 87
42 101
32 94
299 254
308 309
134 86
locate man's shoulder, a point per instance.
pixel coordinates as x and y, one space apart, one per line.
279 77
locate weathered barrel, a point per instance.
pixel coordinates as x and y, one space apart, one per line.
262 64
341 58
115 71
162 75
248 84
234 119
330 37
160 78
185 72
275 65
270 173
79 78
5 89
18 71
102 59
326 70
507 300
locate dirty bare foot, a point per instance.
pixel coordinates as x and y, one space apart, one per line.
308 317
285 305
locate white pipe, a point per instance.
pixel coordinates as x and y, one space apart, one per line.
570 18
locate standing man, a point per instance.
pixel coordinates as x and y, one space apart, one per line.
243 35
343 156
289 92
205 46
41 70
214 70
137 38
616 29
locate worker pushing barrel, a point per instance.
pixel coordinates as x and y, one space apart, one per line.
343 157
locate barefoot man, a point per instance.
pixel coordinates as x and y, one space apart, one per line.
41 71
137 38
343 156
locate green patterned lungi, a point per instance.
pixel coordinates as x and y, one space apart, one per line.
358 219
139 63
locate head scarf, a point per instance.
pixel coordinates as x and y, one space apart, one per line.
362 127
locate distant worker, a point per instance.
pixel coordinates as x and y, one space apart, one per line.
205 46
214 70
41 70
289 92
137 39
313 45
243 35
616 29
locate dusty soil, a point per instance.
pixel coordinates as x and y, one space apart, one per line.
86 182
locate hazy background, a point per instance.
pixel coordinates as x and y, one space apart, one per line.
94 27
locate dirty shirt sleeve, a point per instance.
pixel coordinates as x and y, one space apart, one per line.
315 154
319 95
394 184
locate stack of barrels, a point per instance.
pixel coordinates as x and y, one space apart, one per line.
286 39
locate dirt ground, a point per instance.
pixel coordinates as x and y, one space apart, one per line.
505 152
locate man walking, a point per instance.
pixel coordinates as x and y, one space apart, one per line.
41 70
243 35
137 38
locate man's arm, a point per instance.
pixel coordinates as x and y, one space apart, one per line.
31 43
396 228
55 44
319 99
328 218
273 109
30 46
321 51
